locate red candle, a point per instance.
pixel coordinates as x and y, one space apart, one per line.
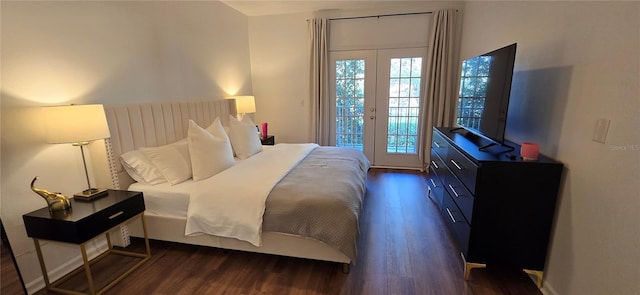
529 150
264 130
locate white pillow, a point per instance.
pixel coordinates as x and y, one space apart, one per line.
217 130
244 137
172 160
140 168
209 154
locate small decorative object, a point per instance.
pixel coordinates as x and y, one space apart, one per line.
55 201
265 132
529 151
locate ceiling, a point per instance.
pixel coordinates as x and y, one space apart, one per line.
270 7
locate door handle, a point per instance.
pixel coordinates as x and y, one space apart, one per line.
371 117
372 110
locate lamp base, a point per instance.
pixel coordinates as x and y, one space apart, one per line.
90 194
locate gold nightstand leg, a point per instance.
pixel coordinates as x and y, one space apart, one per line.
45 276
468 266
87 269
109 245
144 230
538 274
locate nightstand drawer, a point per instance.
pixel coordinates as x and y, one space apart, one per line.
85 220
110 217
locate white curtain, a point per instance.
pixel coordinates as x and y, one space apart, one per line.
442 76
319 83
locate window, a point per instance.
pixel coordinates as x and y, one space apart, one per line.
350 103
404 104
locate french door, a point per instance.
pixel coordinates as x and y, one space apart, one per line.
376 103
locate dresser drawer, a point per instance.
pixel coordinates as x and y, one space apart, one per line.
463 168
456 223
435 189
439 145
437 165
460 195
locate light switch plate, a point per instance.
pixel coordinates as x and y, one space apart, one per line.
601 129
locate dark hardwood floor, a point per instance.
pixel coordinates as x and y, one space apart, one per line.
9 278
403 249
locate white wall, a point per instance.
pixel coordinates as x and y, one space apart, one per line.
280 72
577 62
111 52
280 66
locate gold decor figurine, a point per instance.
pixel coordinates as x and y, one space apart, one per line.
55 201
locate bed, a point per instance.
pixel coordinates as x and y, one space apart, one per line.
292 223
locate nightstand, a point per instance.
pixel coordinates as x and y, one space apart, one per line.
86 221
269 140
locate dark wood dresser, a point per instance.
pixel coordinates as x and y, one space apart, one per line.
498 208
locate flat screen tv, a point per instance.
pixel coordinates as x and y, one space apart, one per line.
485 86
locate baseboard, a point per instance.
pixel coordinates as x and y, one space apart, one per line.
99 246
547 289
398 168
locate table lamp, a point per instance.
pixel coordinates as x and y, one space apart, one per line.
245 105
78 125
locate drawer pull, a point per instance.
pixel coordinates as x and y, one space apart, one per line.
116 215
454 191
451 216
436 144
435 165
456 164
433 182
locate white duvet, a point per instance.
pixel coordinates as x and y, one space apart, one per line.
234 206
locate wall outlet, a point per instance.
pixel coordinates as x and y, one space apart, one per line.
601 129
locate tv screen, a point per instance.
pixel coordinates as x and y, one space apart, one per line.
485 86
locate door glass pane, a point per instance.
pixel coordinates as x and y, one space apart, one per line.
350 103
404 105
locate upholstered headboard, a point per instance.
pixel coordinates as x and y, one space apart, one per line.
148 125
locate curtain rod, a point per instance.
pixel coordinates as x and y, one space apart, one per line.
381 15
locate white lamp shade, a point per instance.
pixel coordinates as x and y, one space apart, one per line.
245 104
76 123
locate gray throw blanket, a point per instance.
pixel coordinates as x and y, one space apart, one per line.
321 198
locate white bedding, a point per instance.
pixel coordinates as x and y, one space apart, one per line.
164 199
171 200
232 203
